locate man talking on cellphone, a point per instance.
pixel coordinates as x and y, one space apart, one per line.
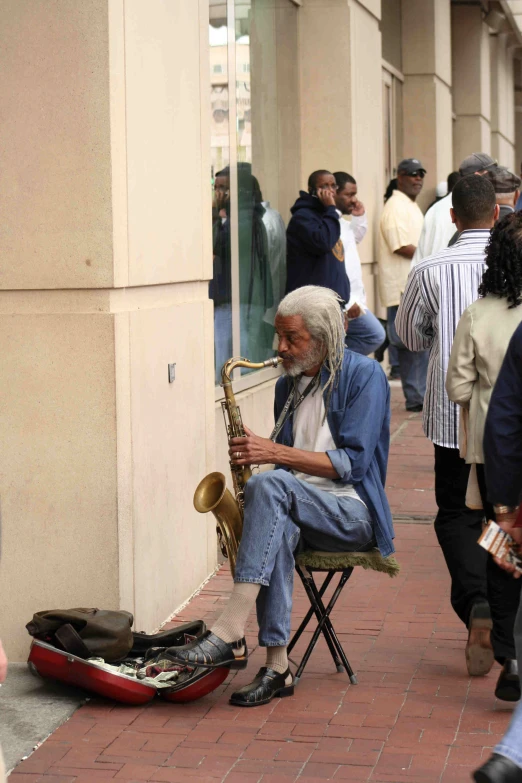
315 254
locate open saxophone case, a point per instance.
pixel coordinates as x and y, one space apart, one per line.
95 649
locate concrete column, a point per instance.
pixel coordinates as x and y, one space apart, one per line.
427 113
471 82
103 283
341 101
502 101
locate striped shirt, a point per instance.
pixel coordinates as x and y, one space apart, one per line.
438 290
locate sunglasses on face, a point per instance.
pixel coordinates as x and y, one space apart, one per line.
416 174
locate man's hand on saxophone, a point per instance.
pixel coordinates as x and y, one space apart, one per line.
253 450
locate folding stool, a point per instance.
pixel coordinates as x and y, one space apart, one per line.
331 563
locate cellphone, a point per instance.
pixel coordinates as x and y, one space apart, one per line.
313 192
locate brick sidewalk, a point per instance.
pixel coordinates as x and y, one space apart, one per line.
414 716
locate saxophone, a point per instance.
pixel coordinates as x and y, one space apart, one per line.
211 493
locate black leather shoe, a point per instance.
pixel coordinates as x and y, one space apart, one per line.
210 652
267 684
508 683
498 769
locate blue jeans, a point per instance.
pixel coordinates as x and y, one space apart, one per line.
365 334
279 508
511 743
413 365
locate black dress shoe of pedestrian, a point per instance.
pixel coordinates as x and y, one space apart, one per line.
414 408
499 769
508 683
210 652
267 684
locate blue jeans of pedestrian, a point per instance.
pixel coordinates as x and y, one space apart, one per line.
413 365
365 334
279 510
511 743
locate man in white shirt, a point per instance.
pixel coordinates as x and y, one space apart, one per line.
438 228
365 333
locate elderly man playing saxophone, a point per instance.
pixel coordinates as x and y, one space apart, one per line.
332 412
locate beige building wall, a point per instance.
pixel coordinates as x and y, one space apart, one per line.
471 82
502 101
58 486
427 110
105 181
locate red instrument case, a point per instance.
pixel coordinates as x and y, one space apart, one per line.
51 662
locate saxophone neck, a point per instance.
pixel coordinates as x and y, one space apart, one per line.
230 366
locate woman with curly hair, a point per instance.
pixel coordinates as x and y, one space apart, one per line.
480 343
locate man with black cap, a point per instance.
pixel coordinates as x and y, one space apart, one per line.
438 229
399 231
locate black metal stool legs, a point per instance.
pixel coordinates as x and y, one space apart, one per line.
324 625
297 634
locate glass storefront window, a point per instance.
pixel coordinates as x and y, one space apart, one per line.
221 285
257 177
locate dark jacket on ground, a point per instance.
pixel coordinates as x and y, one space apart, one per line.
503 433
314 251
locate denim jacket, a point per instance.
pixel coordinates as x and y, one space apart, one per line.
359 420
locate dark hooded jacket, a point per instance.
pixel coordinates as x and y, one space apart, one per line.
314 251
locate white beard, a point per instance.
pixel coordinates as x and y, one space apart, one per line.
312 357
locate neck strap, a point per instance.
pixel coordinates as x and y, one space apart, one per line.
294 400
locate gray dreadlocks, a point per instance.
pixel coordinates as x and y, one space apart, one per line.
321 312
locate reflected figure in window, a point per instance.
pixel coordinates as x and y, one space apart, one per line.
276 238
255 276
221 284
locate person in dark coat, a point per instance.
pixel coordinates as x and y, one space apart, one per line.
314 251
503 462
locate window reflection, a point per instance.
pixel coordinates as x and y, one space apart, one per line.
256 290
221 285
257 184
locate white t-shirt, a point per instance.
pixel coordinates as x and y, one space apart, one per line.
311 434
353 232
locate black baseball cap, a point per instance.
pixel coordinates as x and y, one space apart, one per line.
477 161
410 165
